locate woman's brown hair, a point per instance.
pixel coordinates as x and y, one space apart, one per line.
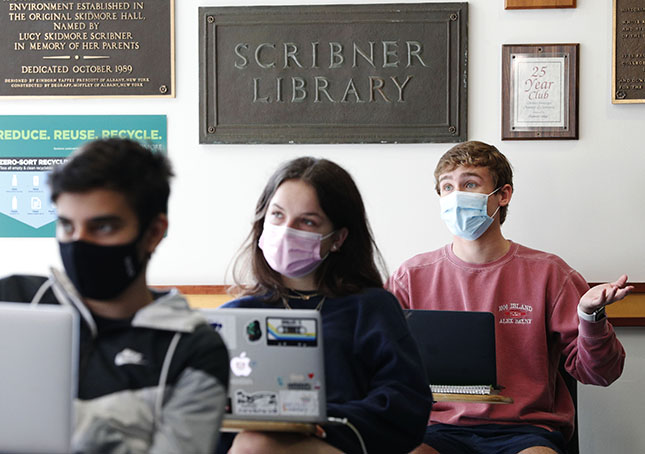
347 271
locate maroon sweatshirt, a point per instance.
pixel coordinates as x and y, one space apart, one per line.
533 296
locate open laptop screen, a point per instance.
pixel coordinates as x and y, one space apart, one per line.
38 360
457 347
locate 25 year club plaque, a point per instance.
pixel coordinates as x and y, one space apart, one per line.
86 48
333 74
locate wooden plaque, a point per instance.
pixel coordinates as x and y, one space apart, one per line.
536 4
539 91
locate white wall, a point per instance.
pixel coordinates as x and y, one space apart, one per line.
611 419
581 199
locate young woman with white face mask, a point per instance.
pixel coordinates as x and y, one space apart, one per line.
311 247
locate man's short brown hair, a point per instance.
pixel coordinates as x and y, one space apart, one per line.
477 154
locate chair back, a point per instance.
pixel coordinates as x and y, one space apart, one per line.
572 385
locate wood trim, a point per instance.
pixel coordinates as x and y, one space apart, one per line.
620 319
627 321
197 289
639 288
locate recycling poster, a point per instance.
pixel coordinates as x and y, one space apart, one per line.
32 145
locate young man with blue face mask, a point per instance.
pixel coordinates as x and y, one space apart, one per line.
152 373
543 310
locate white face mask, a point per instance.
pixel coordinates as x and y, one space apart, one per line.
466 213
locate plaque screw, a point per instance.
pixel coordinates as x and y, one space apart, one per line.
452 130
454 17
163 89
620 95
211 19
539 49
211 129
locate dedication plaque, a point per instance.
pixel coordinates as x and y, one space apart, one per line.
86 48
628 69
333 74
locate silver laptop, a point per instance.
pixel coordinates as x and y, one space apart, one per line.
277 363
38 376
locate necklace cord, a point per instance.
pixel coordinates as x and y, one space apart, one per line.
302 296
318 307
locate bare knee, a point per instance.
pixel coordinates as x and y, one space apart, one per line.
537 450
424 449
247 442
279 443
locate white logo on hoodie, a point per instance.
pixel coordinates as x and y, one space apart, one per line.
128 356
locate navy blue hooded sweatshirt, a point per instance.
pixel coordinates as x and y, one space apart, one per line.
373 371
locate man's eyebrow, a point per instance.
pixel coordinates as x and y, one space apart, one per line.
471 174
106 218
465 174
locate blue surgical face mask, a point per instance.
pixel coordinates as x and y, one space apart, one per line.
466 213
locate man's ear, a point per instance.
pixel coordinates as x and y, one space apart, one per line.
506 193
155 232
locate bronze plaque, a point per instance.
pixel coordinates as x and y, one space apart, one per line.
628 70
334 74
86 48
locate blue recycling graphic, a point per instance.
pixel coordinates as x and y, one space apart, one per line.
26 198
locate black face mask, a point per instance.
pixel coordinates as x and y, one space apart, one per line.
101 272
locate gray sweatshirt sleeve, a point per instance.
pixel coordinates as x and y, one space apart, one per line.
191 415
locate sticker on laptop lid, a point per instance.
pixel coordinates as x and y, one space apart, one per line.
225 326
241 365
253 331
255 403
292 331
299 403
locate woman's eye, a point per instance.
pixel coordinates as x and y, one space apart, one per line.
471 185
447 187
276 214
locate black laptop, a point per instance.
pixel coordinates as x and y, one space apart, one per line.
457 348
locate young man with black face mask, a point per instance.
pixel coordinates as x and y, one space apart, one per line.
543 309
152 373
